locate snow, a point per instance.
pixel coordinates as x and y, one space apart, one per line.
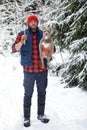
66 107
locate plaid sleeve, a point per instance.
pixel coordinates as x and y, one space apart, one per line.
16 41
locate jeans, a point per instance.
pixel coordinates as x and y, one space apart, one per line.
41 83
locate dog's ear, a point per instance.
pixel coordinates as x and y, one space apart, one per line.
48 29
43 28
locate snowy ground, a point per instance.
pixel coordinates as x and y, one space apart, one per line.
66 107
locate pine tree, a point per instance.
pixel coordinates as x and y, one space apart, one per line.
71 33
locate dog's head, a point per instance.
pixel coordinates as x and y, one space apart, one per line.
46 33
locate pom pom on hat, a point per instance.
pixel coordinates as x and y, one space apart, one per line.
31 18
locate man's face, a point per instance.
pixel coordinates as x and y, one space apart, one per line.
33 25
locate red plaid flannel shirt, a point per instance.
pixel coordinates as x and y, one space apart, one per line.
36 62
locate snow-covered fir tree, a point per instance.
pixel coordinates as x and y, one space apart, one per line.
73 36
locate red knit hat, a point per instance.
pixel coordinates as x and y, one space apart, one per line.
32 17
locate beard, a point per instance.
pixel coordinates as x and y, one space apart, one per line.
33 29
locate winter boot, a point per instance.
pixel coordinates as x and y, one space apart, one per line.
27 116
27 122
43 118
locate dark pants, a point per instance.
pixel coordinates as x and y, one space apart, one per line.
41 82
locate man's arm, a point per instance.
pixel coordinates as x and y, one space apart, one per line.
18 42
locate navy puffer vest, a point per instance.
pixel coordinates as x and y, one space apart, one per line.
26 50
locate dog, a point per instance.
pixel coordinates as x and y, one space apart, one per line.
46 46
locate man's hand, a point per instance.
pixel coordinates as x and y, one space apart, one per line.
23 37
19 45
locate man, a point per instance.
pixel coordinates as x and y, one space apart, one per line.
28 44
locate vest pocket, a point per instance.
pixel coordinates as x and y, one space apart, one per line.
26 58
24 53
